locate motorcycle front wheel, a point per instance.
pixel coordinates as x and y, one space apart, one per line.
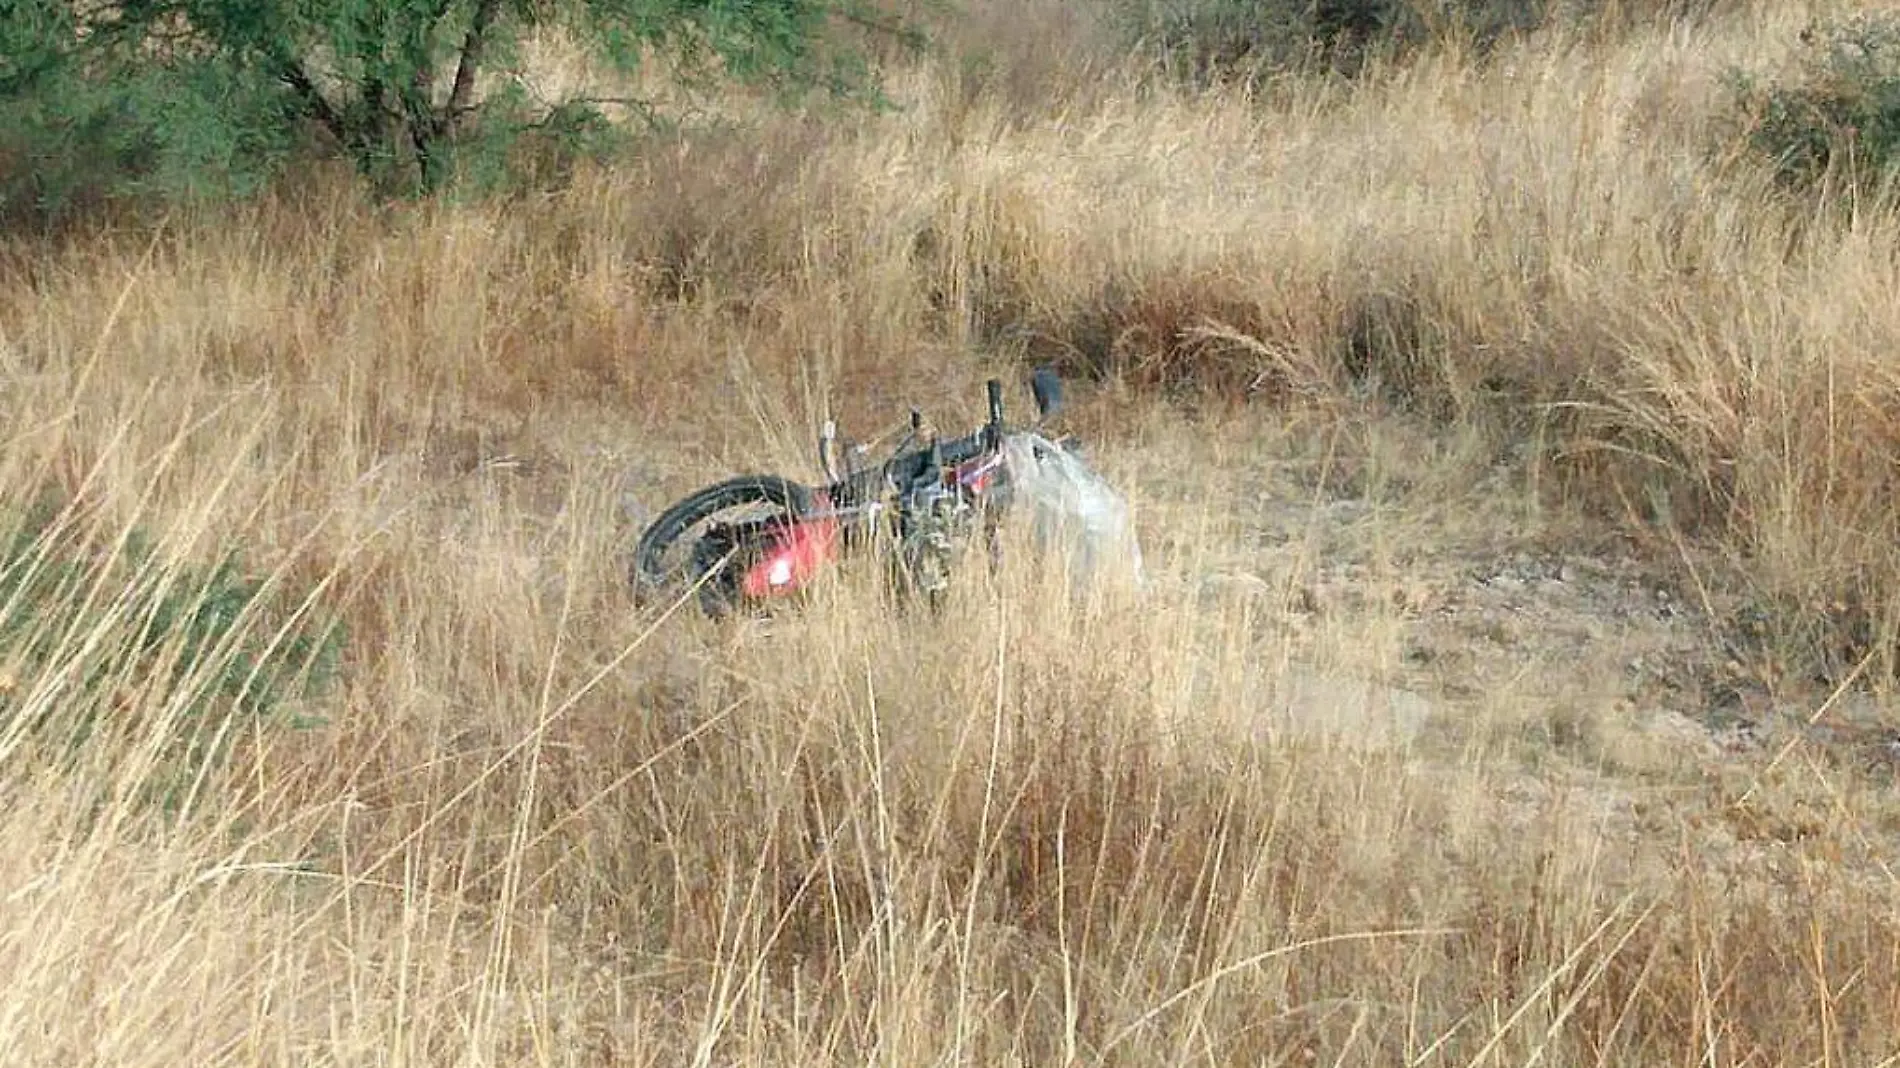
719 518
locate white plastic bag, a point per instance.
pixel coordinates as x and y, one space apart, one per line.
1073 510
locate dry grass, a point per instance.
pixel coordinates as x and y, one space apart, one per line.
537 827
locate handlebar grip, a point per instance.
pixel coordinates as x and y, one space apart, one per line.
995 387
961 449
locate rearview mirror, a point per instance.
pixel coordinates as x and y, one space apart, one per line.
1047 386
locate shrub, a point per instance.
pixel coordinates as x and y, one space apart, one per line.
96 639
176 97
177 130
1836 116
1211 38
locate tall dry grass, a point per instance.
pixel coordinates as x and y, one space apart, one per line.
536 826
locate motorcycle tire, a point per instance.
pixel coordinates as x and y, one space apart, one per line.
649 573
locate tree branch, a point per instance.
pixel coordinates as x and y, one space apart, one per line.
293 75
419 115
461 94
878 22
643 105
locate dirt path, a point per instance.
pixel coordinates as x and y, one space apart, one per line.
1540 644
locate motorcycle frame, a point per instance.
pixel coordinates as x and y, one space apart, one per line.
785 556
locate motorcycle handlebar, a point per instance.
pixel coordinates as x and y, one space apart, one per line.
965 448
907 467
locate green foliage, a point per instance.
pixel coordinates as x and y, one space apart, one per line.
1837 115
181 126
91 633
1211 38
1217 38
510 145
213 97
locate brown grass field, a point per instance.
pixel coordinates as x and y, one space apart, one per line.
1510 385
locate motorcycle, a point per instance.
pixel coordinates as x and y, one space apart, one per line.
927 500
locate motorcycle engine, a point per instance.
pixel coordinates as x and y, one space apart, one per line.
934 516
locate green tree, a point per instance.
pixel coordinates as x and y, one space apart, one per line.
175 96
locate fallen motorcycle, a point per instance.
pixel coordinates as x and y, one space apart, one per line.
755 538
